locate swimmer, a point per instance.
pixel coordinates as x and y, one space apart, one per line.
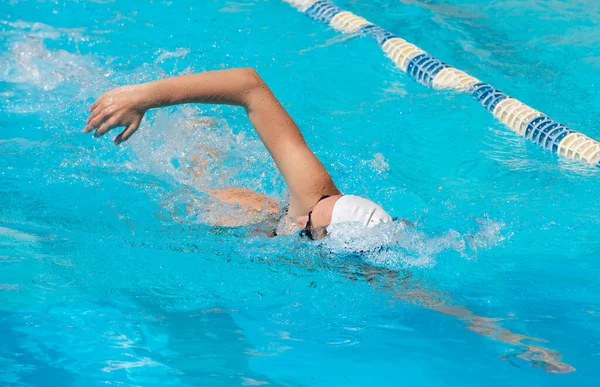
314 200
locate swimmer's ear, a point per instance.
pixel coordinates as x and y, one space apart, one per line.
301 221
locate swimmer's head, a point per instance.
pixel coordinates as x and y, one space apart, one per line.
341 209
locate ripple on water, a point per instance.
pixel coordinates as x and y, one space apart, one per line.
8 259
340 338
7 234
115 365
340 335
10 287
52 281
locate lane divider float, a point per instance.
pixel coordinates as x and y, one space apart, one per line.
534 125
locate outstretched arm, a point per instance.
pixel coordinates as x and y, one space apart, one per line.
304 174
403 288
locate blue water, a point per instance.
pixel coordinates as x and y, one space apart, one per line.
109 273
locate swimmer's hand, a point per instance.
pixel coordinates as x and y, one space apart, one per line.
126 106
120 107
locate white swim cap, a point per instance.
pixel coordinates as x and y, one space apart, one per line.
350 208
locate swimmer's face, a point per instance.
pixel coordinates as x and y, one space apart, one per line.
320 217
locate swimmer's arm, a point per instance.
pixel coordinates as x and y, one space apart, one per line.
304 174
409 291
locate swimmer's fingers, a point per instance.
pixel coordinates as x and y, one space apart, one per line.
92 115
128 132
95 113
102 100
111 123
95 121
95 104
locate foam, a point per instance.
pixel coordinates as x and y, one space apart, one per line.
171 142
54 80
398 245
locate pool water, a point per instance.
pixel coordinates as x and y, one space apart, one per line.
110 273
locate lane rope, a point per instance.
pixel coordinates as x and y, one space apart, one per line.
532 124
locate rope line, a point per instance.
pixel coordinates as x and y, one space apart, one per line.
535 126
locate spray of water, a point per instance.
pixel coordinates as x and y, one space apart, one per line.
192 149
399 244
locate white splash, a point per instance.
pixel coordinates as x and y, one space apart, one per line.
163 55
30 62
378 163
399 245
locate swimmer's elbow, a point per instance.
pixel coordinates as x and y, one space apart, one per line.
252 78
255 87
